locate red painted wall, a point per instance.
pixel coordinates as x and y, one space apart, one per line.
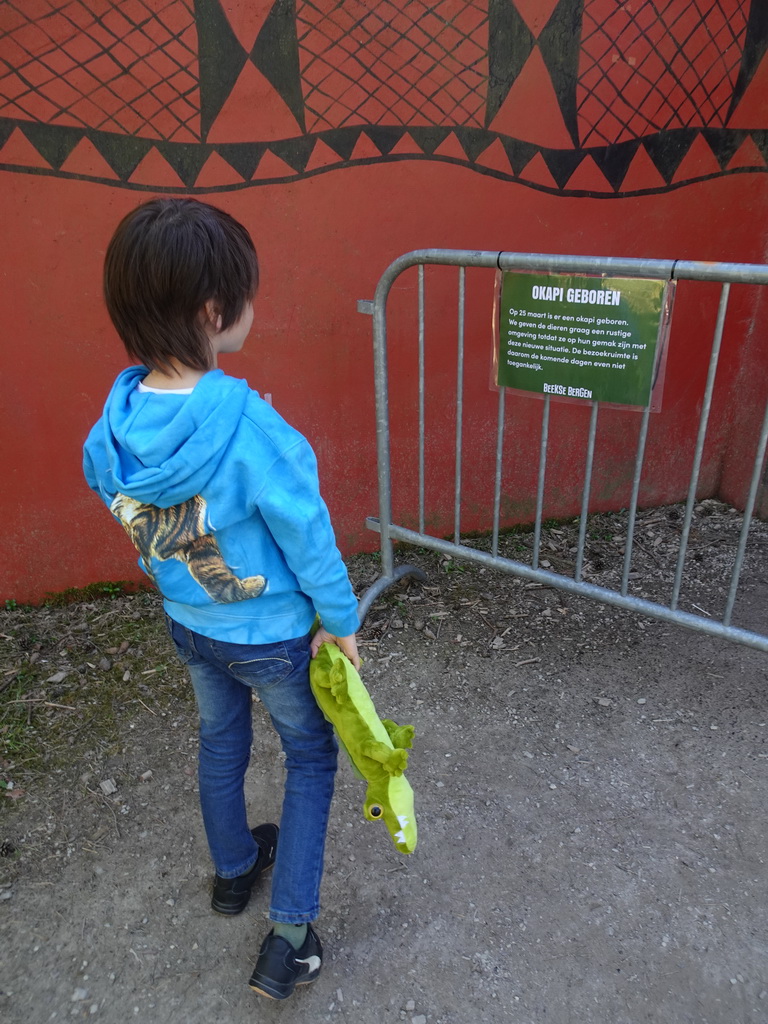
324 235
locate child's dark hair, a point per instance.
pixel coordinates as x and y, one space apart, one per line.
166 260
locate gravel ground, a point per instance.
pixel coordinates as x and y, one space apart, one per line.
590 795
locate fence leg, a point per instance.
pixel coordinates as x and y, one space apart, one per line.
384 583
389 574
761 503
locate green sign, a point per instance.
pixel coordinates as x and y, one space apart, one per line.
591 338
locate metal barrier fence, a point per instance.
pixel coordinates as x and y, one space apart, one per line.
667 270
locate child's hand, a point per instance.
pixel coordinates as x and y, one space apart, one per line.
346 644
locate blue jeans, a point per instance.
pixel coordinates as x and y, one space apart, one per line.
224 676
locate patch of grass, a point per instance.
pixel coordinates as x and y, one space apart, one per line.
43 726
450 565
598 531
17 740
79 676
103 590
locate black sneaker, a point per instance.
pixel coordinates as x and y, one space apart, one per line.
231 895
280 967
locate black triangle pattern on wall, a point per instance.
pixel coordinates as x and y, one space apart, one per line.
221 58
559 44
755 48
277 55
510 43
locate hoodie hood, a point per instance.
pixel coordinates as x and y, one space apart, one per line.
163 449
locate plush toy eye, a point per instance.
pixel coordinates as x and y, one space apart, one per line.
375 811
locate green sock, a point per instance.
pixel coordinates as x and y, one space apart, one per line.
293 933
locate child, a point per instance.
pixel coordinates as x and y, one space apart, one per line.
220 497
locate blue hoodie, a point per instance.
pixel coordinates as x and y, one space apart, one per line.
221 498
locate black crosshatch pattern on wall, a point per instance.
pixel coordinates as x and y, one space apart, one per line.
132 76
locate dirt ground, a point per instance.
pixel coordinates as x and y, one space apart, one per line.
590 790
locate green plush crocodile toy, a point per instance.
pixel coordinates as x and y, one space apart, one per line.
376 748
